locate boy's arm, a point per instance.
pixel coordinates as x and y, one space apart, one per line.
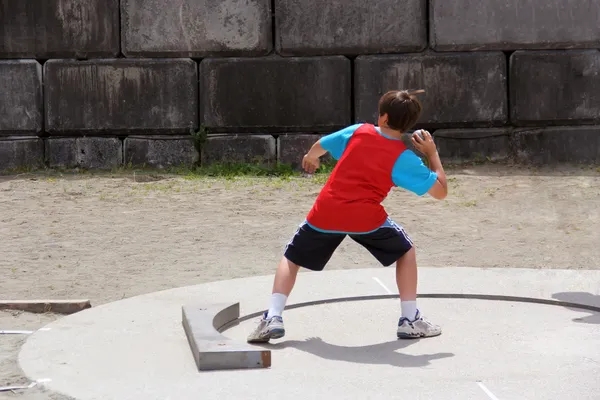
426 145
439 190
311 162
335 144
412 174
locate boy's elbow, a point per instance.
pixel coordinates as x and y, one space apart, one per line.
438 191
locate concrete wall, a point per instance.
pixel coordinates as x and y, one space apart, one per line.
103 83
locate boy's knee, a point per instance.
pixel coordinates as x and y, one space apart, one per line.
409 256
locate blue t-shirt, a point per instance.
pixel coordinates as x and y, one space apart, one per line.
409 171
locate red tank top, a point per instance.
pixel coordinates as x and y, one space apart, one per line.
351 199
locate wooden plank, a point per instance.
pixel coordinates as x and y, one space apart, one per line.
46 306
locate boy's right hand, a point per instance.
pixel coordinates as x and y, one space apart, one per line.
425 145
310 163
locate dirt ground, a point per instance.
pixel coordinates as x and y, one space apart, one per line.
107 237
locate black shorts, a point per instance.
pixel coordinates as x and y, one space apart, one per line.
312 249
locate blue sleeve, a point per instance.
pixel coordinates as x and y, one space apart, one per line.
411 174
335 143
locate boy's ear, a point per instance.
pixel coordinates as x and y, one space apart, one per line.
383 119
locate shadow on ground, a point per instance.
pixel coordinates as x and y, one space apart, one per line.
378 354
581 298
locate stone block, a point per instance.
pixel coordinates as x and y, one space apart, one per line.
461 25
555 87
314 27
560 144
468 145
121 96
275 94
85 152
196 28
462 90
291 148
231 149
59 28
21 153
161 152
20 97
212 350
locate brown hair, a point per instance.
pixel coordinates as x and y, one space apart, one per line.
402 107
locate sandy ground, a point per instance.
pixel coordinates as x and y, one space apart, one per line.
107 237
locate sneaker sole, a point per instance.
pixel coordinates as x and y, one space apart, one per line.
277 334
260 340
274 334
415 336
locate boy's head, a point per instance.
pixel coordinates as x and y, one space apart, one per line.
399 109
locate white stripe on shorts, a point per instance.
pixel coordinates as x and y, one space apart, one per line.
399 229
293 236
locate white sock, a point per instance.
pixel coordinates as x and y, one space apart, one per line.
277 305
409 309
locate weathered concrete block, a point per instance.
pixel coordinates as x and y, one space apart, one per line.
561 144
467 145
291 148
213 351
85 153
59 28
21 152
464 89
161 152
258 149
61 152
459 25
20 97
558 87
275 94
196 28
121 96
314 27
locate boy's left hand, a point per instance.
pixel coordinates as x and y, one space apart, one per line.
424 144
310 163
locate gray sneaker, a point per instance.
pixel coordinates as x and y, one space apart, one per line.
418 328
267 329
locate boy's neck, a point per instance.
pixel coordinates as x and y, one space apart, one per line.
390 132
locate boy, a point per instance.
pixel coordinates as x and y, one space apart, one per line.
371 160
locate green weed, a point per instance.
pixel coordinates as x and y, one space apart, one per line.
472 203
491 191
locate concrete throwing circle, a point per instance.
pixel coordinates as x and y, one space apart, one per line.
136 348
350 350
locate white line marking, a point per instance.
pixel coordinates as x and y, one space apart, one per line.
487 391
32 384
382 285
22 332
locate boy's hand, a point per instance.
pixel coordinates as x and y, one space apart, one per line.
310 163
426 144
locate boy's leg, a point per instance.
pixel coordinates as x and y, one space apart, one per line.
411 324
391 245
285 279
271 324
406 280
309 249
